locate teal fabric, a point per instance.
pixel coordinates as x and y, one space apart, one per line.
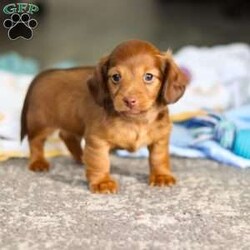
17 64
242 143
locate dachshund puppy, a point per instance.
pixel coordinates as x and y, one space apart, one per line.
120 103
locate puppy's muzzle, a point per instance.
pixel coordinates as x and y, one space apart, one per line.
130 102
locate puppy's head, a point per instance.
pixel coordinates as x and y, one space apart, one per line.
135 77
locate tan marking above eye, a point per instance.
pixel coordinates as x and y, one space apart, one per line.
154 71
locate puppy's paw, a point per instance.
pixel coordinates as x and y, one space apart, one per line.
161 180
106 186
39 166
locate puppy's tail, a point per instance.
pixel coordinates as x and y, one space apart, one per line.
24 115
24 128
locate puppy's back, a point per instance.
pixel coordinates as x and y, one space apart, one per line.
49 86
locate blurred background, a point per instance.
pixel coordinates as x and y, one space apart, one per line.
83 31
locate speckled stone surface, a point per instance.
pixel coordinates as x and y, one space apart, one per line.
209 208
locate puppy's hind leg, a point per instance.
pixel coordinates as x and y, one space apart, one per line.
38 162
73 143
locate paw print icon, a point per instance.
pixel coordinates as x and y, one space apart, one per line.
20 26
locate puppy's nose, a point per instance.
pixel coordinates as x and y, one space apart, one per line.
130 101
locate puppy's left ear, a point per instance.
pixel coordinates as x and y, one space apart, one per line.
97 83
174 80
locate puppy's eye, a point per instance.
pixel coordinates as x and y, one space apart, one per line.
148 78
116 78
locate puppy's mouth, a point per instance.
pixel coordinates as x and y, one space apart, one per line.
132 113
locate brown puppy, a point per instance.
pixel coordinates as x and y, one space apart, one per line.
121 103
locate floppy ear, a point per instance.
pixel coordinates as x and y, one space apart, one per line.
97 84
174 80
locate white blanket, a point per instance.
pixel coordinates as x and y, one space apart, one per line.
220 77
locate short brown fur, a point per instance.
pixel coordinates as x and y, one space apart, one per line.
87 103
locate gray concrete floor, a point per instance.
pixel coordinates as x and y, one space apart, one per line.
208 209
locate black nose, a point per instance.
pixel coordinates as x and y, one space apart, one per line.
130 102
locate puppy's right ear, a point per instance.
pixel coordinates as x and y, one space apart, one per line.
97 84
175 81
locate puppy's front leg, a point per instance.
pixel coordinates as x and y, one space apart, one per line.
159 160
97 162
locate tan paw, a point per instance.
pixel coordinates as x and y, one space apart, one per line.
106 186
161 180
39 166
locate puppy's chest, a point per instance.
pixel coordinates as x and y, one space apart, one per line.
130 136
